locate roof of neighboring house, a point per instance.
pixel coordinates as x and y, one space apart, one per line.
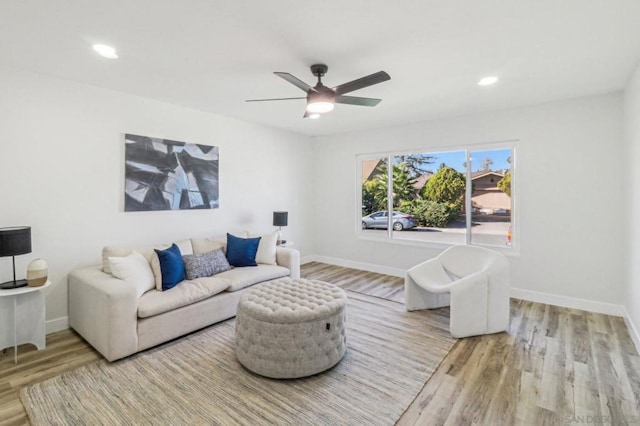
368 169
421 181
479 174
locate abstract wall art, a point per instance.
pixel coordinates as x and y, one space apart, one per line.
162 174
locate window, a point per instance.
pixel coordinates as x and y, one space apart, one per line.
461 196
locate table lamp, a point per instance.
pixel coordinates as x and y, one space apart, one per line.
13 242
280 219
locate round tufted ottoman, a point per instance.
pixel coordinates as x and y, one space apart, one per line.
290 328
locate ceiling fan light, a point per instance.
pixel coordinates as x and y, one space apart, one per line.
320 107
314 116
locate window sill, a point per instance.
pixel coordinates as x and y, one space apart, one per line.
507 251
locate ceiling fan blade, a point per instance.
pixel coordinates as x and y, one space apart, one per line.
276 99
356 100
361 83
295 81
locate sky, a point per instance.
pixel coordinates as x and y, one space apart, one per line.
456 159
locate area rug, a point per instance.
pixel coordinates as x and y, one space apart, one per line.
197 379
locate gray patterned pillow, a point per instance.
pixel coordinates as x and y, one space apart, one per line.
205 264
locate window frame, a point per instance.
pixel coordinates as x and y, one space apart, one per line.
512 144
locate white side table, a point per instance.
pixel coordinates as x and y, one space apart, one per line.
22 318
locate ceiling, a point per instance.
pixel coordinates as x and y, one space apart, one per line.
212 55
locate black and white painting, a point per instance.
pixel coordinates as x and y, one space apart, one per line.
162 174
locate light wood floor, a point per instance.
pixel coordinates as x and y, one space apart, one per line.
552 367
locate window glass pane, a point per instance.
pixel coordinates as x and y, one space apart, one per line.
374 197
429 191
439 197
491 197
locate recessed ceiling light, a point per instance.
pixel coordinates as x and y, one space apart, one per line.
105 51
487 81
313 116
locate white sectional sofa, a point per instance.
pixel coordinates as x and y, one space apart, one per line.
108 313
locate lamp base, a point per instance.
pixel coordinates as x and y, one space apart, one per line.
13 284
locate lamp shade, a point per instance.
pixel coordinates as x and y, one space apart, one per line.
280 218
15 240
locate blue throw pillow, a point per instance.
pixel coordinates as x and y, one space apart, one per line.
242 251
171 266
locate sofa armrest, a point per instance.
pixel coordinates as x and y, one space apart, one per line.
103 309
289 258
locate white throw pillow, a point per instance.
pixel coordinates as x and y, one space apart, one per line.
118 251
267 249
133 269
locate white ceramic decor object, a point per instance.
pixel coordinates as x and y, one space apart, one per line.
37 272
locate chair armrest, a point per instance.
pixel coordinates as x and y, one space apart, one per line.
429 275
104 310
289 258
499 273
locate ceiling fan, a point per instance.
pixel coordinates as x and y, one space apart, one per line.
321 99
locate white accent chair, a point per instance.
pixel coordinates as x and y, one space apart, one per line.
474 281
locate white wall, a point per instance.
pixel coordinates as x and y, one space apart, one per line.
570 195
61 172
632 146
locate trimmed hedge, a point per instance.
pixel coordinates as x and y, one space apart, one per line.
430 213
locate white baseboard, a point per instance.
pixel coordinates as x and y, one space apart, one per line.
533 296
57 324
307 259
569 302
633 330
363 266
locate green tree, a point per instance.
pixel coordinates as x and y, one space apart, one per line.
428 213
446 186
402 185
505 183
370 203
416 163
374 191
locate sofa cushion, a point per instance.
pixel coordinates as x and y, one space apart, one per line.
156 302
244 277
242 251
205 264
134 269
206 245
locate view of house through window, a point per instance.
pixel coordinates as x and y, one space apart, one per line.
452 197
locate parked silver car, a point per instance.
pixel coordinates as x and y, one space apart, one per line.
379 220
